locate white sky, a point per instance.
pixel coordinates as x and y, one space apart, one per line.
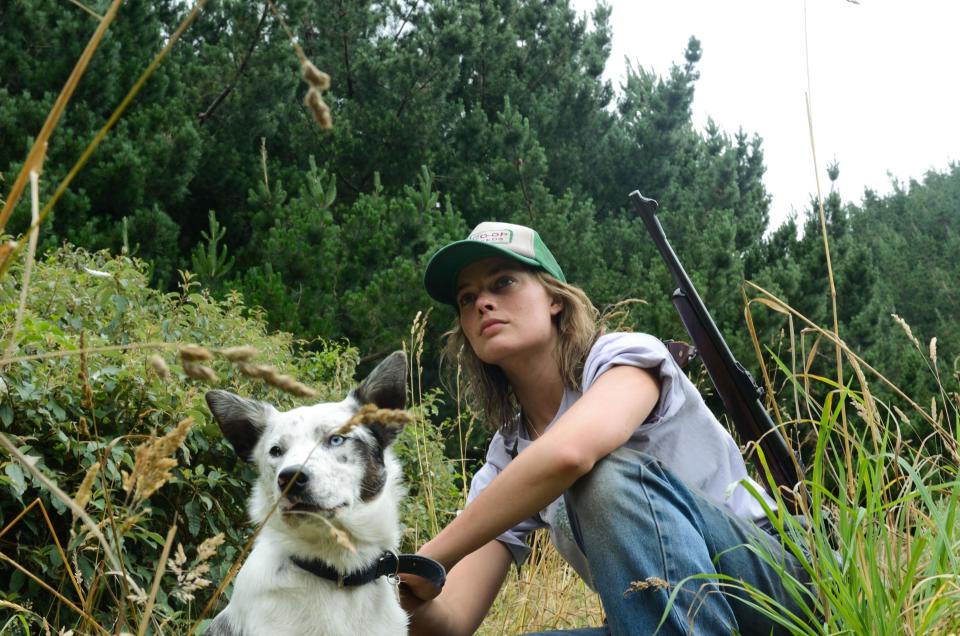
884 82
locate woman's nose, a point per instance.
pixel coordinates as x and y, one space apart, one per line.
484 301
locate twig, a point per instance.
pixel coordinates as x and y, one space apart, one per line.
523 189
87 9
346 54
205 115
403 23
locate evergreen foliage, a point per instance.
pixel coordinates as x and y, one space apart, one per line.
445 114
235 215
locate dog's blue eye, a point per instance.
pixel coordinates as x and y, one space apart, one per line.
275 451
336 440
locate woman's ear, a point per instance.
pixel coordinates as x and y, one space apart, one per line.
556 305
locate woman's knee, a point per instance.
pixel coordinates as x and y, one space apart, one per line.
613 483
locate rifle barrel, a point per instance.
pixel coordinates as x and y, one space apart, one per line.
740 394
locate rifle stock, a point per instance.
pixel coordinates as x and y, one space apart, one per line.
740 394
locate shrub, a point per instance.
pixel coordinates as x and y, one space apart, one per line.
79 414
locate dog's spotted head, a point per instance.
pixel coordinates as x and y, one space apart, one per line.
308 464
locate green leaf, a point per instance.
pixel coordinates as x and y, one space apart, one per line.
17 478
192 512
120 302
17 579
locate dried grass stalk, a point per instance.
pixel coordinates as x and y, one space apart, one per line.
341 536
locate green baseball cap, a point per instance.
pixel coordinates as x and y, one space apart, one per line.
490 238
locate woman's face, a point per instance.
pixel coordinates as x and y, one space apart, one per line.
505 310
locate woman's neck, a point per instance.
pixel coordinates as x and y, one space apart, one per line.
538 387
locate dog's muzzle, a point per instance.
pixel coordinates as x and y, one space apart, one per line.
293 480
296 498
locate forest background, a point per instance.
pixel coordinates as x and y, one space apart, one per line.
217 191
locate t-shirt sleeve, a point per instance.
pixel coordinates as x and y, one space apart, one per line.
638 350
515 538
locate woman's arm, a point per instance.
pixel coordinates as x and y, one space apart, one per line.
467 595
598 423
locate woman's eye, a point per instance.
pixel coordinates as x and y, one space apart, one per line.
336 440
275 451
503 281
466 299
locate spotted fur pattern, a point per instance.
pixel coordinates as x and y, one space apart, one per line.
311 477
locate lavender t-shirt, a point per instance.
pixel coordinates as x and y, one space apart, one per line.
681 432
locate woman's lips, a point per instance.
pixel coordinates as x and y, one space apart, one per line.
487 325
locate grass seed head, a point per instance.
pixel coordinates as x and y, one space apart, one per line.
254 370
274 378
315 77
159 366
651 582
287 384
86 486
903 416
209 547
190 580
200 372
906 328
318 108
370 414
239 354
194 353
153 461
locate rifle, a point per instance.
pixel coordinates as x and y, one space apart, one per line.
740 394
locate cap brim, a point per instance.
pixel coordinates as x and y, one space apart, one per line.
440 277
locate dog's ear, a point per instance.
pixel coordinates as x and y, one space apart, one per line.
241 420
386 386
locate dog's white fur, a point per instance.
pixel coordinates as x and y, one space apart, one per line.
273 596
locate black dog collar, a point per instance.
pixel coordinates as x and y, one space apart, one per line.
389 564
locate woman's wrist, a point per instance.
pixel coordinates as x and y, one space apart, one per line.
434 549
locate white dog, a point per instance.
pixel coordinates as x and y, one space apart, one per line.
299 579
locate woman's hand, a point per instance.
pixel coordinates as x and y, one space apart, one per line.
466 598
417 590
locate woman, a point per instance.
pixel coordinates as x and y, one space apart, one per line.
603 440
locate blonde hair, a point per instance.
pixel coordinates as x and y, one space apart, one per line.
485 386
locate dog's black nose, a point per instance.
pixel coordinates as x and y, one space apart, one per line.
297 474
